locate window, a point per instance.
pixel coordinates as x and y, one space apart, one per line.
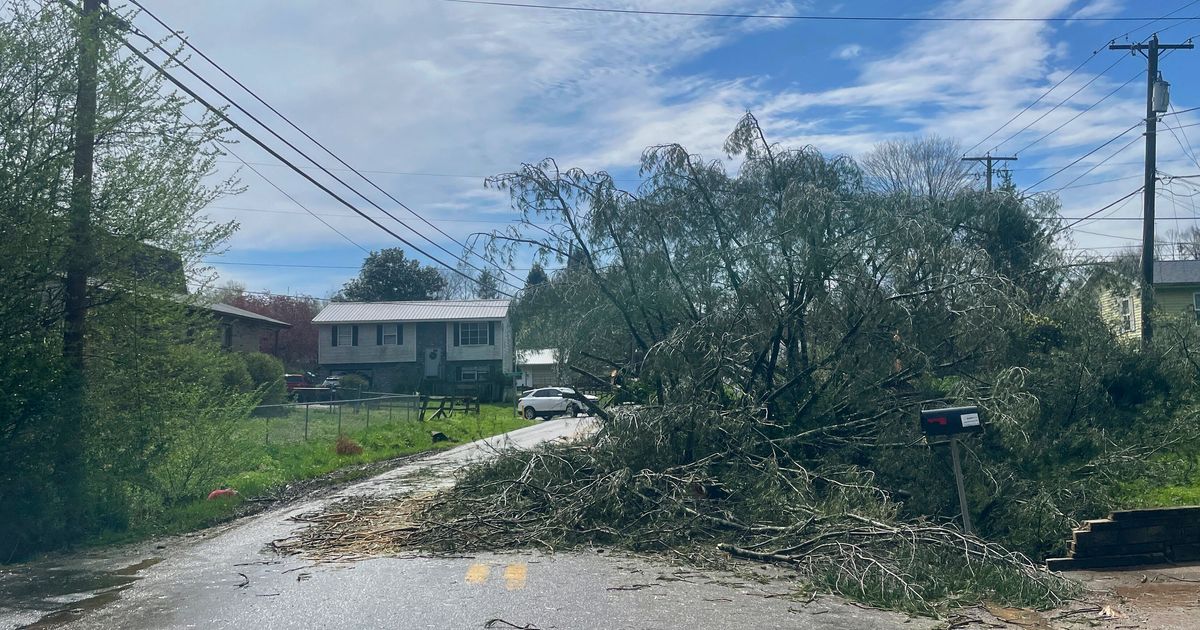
1126 314
345 336
473 333
473 374
547 393
1196 306
226 336
390 336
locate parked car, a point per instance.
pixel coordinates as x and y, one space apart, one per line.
292 381
547 402
331 382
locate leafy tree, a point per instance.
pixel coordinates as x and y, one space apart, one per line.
486 288
152 182
388 275
537 276
298 344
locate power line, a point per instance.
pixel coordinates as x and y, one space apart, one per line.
253 138
1081 158
787 16
351 216
294 200
1077 69
258 264
1058 105
255 95
172 57
1088 216
1081 113
416 173
1098 165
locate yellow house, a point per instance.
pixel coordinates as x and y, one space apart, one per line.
1176 290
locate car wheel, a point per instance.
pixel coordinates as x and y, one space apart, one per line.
530 414
572 410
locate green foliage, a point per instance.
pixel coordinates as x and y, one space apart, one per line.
388 275
152 182
352 386
266 374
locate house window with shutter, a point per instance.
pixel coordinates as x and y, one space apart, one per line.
390 335
473 333
1126 314
345 335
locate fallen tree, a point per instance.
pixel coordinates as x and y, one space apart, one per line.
775 333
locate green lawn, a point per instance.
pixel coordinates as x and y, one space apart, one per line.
287 457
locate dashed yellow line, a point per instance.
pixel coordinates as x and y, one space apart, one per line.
477 573
514 576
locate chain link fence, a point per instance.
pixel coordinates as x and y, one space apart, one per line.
326 420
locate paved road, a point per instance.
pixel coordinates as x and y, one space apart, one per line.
224 578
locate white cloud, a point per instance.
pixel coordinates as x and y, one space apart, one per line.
849 51
449 89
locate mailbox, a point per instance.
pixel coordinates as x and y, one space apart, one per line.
951 421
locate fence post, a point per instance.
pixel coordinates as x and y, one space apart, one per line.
306 406
339 420
368 414
267 419
389 411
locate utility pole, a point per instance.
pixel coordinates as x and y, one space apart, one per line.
70 470
1150 50
989 160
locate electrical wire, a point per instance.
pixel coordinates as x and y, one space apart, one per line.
1080 113
1081 158
225 147
1088 216
327 150
787 16
253 138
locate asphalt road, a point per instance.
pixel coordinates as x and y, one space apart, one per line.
225 578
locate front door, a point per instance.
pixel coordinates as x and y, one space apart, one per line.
433 362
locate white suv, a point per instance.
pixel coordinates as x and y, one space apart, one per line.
550 401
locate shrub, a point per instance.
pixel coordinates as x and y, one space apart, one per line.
266 373
352 385
347 446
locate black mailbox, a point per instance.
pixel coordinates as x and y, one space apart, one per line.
951 421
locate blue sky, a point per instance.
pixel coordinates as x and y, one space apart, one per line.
433 96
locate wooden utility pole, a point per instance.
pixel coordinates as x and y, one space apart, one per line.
989 160
78 265
1150 50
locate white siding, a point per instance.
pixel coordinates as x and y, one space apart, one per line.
502 351
367 351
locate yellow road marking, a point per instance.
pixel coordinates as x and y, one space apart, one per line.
514 576
477 573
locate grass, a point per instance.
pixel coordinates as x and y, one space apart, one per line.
288 458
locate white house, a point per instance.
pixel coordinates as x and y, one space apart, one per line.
439 347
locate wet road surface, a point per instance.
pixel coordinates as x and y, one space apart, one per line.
226 578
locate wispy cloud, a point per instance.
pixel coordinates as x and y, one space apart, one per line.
849 51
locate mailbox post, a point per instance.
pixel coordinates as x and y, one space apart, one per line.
951 422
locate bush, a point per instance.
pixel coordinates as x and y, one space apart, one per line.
266 373
352 386
347 446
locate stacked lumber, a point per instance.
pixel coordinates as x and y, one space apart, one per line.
1133 537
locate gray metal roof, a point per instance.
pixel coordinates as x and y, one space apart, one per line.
425 311
225 309
1177 272
536 357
